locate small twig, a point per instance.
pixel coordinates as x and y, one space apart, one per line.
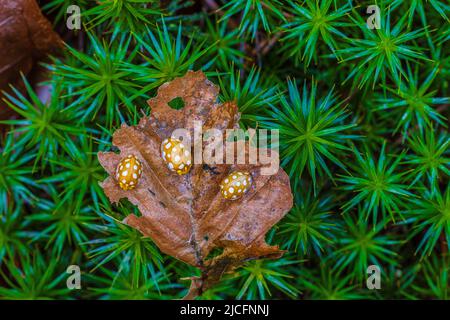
264 46
285 14
213 6
444 244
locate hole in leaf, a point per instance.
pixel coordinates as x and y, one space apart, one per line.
212 170
176 103
214 253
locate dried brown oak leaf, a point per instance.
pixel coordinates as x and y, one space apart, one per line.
186 216
25 36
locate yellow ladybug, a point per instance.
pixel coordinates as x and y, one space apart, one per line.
176 156
235 185
128 172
